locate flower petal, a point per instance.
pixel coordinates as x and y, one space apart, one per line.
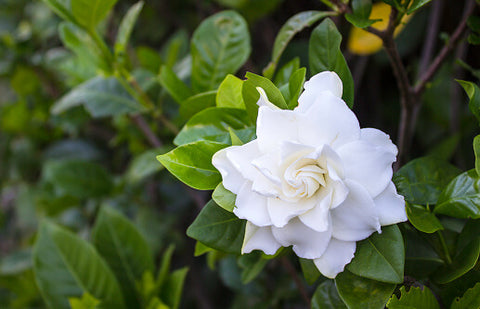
390 206
281 211
317 217
276 126
356 218
328 121
263 100
259 238
378 138
338 254
241 158
307 243
232 178
324 81
252 206
367 164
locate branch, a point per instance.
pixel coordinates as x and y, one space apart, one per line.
145 128
293 273
429 45
437 62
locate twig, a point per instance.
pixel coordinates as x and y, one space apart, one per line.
145 128
293 273
429 45
437 62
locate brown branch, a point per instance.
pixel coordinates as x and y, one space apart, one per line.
437 62
140 122
429 44
293 273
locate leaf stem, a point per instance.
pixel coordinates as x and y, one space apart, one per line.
444 247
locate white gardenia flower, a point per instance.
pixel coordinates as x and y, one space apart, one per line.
312 179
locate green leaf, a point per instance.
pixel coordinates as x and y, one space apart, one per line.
469 300
86 302
102 97
171 292
467 253
192 164
124 249
213 124
473 93
89 13
361 13
359 293
67 266
62 8
476 150
422 180
218 229
417 4
325 55
295 87
164 269
220 45
80 43
145 165
251 95
125 30
309 270
197 103
380 257
326 296
414 298
423 219
283 75
461 198
294 25
224 198
78 178
173 85
230 93
201 249
251 264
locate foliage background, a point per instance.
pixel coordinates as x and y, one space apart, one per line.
36 70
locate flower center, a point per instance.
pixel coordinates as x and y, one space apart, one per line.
303 178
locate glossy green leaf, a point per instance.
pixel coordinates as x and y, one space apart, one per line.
422 180
325 55
417 4
361 13
66 266
294 25
62 8
101 96
145 165
230 93
326 296
476 149
213 124
469 300
224 198
192 164
380 257
201 249
309 270
251 95
473 93
415 298
173 85
423 219
295 87
78 178
461 198
218 229
124 249
171 293
86 302
89 13
360 293
125 30
197 103
251 264
220 45
285 72
467 253
80 43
